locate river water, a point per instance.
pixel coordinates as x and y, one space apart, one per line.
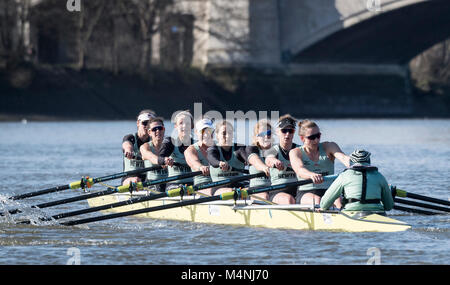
412 154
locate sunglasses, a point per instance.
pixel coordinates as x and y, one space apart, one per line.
313 137
291 131
144 123
157 128
266 133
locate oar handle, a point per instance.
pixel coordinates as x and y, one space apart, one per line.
126 173
251 191
240 170
141 185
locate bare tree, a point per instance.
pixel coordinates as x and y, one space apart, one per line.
148 14
432 67
7 20
88 18
14 27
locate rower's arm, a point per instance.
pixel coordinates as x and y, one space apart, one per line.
213 156
386 195
147 154
256 161
334 150
241 154
166 150
127 148
190 154
332 193
271 158
295 157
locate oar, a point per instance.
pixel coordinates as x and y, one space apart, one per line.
67 200
171 193
118 189
235 194
404 194
417 211
423 205
84 182
246 171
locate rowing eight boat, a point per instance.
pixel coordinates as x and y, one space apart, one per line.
255 214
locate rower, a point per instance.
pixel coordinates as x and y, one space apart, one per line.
226 159
278 160
150 151
363 187
313 160
131 143
257 152
196 154
172 150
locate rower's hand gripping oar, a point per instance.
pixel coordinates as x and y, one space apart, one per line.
84 182
224 196
171 193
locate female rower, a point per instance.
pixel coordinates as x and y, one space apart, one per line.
313 160
196 154
150 151
278 160
227 159
172 150
363 187
131 143
262 142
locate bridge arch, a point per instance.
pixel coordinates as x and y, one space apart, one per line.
395 35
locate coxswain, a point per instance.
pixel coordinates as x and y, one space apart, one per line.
361 185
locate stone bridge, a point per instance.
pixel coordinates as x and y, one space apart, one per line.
344 57
349 31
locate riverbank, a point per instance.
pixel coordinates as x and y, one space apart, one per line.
58 93
49 93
